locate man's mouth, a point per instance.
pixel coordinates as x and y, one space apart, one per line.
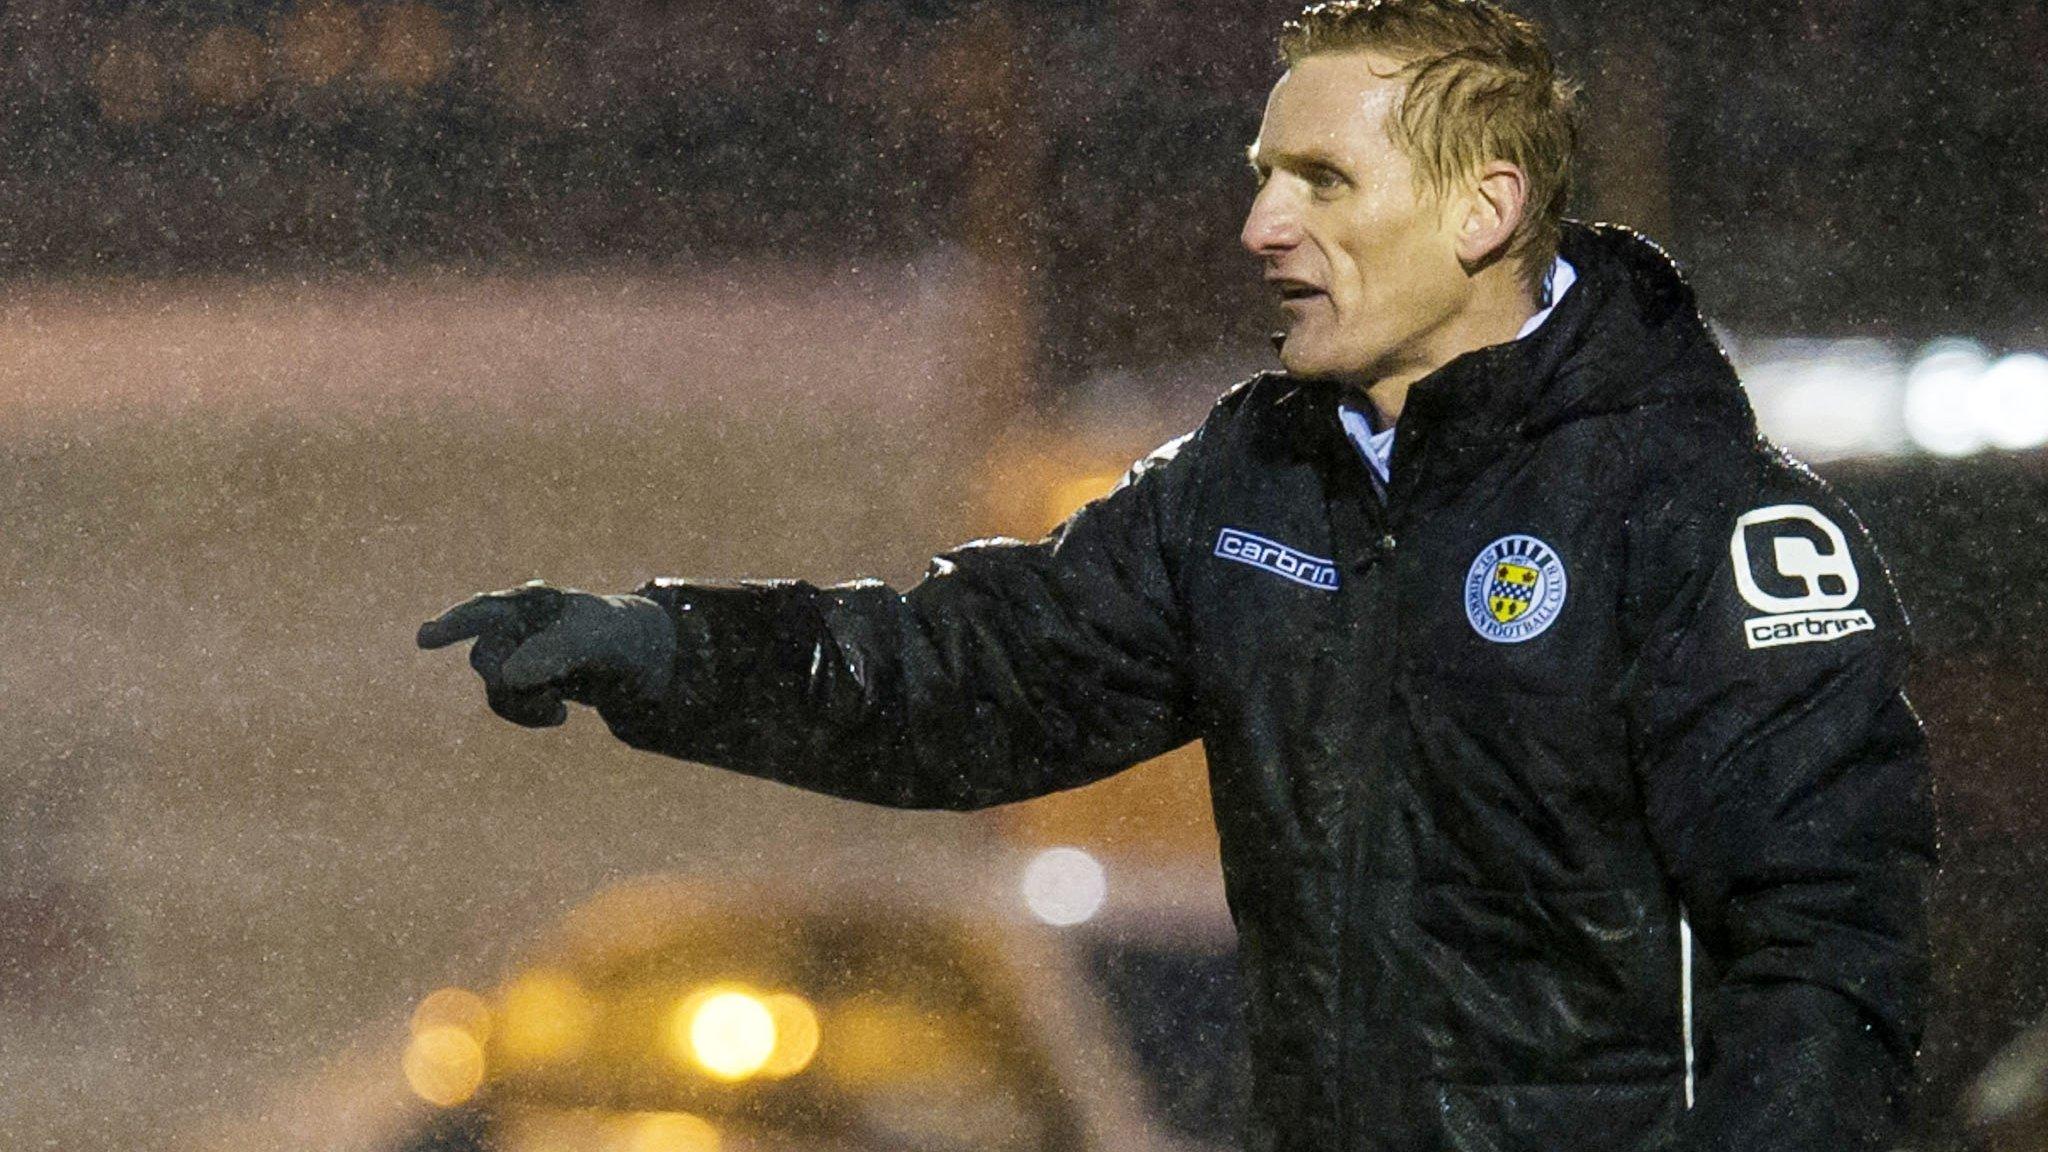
1293 291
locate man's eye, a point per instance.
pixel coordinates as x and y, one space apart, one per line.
1325 179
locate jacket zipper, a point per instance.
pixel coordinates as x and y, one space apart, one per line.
1379 615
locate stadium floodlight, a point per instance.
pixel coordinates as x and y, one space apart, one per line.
1944 412
1825 398
2011 401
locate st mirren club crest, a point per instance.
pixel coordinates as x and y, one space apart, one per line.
1514 589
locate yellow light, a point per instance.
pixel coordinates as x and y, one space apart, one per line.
671 1132
454 1008
878 1041
796 1035
444 1065
545 1016
724 1030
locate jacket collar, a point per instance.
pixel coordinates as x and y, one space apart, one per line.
1628 335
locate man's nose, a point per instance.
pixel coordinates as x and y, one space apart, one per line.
1272 226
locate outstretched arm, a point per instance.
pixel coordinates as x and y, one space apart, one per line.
1012 670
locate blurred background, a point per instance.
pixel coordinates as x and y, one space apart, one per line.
316 317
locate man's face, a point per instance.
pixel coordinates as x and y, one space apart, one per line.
1363 262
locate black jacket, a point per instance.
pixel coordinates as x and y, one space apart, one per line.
1603 656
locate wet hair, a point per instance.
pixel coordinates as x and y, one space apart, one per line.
1481 86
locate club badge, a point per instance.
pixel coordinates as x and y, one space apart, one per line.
1514 589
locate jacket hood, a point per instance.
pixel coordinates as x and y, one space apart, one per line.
1628 335
1636 339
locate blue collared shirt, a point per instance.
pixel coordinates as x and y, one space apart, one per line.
1377 448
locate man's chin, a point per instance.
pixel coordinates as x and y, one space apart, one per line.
1300 360
1307 360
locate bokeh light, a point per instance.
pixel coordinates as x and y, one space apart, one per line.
2013 395
1939 415
725 1031
875 1040
544 1016
318 44
453 1008
1064 886
797 1035
227 67
1959 401
443 1065
1070 495
411 48
670 1132
128 82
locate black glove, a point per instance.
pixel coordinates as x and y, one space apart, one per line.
537 646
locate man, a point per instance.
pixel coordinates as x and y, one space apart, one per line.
1514 649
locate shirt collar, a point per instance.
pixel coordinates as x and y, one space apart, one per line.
1562 277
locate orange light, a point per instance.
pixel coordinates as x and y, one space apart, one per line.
1033 482
1068 496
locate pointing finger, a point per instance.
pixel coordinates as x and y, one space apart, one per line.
518 612
468 620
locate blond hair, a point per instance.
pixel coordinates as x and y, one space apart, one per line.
1481 86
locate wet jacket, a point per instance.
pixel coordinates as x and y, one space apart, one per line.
1605 658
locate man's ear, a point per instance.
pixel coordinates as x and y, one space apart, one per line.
1493 210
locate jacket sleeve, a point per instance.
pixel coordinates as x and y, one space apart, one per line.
1785 779
1011 670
